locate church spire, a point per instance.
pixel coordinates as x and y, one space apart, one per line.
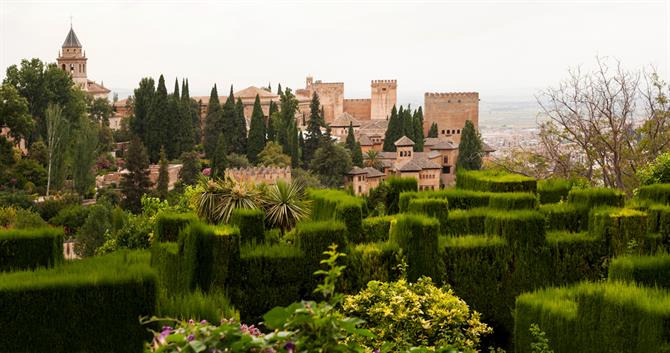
71 41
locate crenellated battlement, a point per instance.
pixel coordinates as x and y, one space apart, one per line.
356 99
452 94
374 82
268 175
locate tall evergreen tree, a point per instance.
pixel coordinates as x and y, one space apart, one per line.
314 134
394 131
288 109
256 141
240 127
433 130
272 110
193 109
470 148
229 120
136 182
293 144
212 123
280 92
354 147
175 131
185 127
220 159
163 177
301 147
417 119
144 95
159 121
84 155
407 123
190 170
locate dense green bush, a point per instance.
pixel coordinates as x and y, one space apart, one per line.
165 258
251 223
50 207
513 201
71 218
169 225
518 227
396 186
593 197
19 218
313 238
30 248
658 220
553 190
196 305
436 208
652 271
375 229
92 305
656 192
494 181
618 227
19 199
338 205
417 236
458 198
565 216
463 222
370 262
595 317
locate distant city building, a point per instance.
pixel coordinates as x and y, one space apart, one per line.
258 175
72 59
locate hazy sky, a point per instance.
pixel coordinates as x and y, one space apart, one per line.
503 49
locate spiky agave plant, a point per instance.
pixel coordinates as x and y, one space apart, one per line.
222 196
285 205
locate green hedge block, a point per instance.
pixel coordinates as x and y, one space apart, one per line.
405 197
417 236
165 258
396 186
518 227
573 257
658 220
197 305
494 181
565 216
169 225
338 205
553 190
464 222
595 317
30 248
92 305
376 229
593 197
651 271
313 238
436 208
656 192
617 227
513 201
458 198
370 262
251 223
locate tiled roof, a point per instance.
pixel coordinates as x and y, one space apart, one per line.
433 154
404 141
94 87
373 173
487 148
364 140
434 143
387 155
252 91
71 41
344 120
375 124
356 171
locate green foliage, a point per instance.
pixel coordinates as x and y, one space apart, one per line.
256 132
513 201
71 218
658 220
170 224
375 229
432 133
237 161
136 182
650 271
517 227
251 224
220 157
285 205
436 208
354 147
593 197
160 121
90 305
617 227
464 222
417 236
656 172
273 155
163 177
371 262
494 181
470 150
393 132
402 315
30 248
14 112
196 305
565 216
655 192
219 198
331 162
540 343
84 156
396 186
313 238
17 199
213 123
553 190
20 219
91 235
190 170
167 260
458 198
314 124
328 204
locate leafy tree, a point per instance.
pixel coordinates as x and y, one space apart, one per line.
470 148
56 134
181 126
105 139
163 176
237 161
272 156
417 121
14 112
100 110
240 130
656 172
220 158
229 120
283 125
84 156
314 134
393 132
91 235
331 162
144 95
136 182
39 152
433 130
190 169
256 141
306 178
213 124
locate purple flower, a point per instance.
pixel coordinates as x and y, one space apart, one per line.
270 350
375 351
190 338
191 322
289 346
203 322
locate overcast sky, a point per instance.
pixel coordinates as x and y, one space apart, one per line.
503 49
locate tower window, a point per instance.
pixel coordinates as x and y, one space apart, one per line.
459 131
384 89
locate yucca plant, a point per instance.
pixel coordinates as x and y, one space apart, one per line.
285 205
221 196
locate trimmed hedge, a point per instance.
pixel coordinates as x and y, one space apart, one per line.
376 229
169 225
212 306
553 190
593 197
313 238
166 259
396 186
458 198
30 248
370 262
92 305
565 216
251 223
518 227
617 227
656 192
595 317
513 201
464 222
331 204
417 236
494 181
652 271
436 208
658 220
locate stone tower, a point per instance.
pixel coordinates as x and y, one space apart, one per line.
450 111
72 59
383 97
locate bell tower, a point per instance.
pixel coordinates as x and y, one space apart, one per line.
72 59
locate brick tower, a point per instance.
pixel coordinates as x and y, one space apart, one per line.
383 97
73 60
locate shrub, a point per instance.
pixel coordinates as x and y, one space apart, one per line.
553 190
518 227
463 222
656 192
436 208
652 271
91 235
71 218
169 225
29 249
494 181
338 205
251 224
592 197
50 207
617 227
92 305
417 236
422 315
167 261
458 198
27 219
376 229
658 171
513 201
565 216
396 186
658 220
17 199
196 305
313 238
370 262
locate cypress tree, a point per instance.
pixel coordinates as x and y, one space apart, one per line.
354 147
314 135
357 155
160 121
292 144
301 147
289 106
220 160
393 131
240 136
433 130
163 177
193 109
272 111
186 124
279 90
229 119
470 148
190 169
175 131
142 98
256 141
407 123
212 123
417 119
136 182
